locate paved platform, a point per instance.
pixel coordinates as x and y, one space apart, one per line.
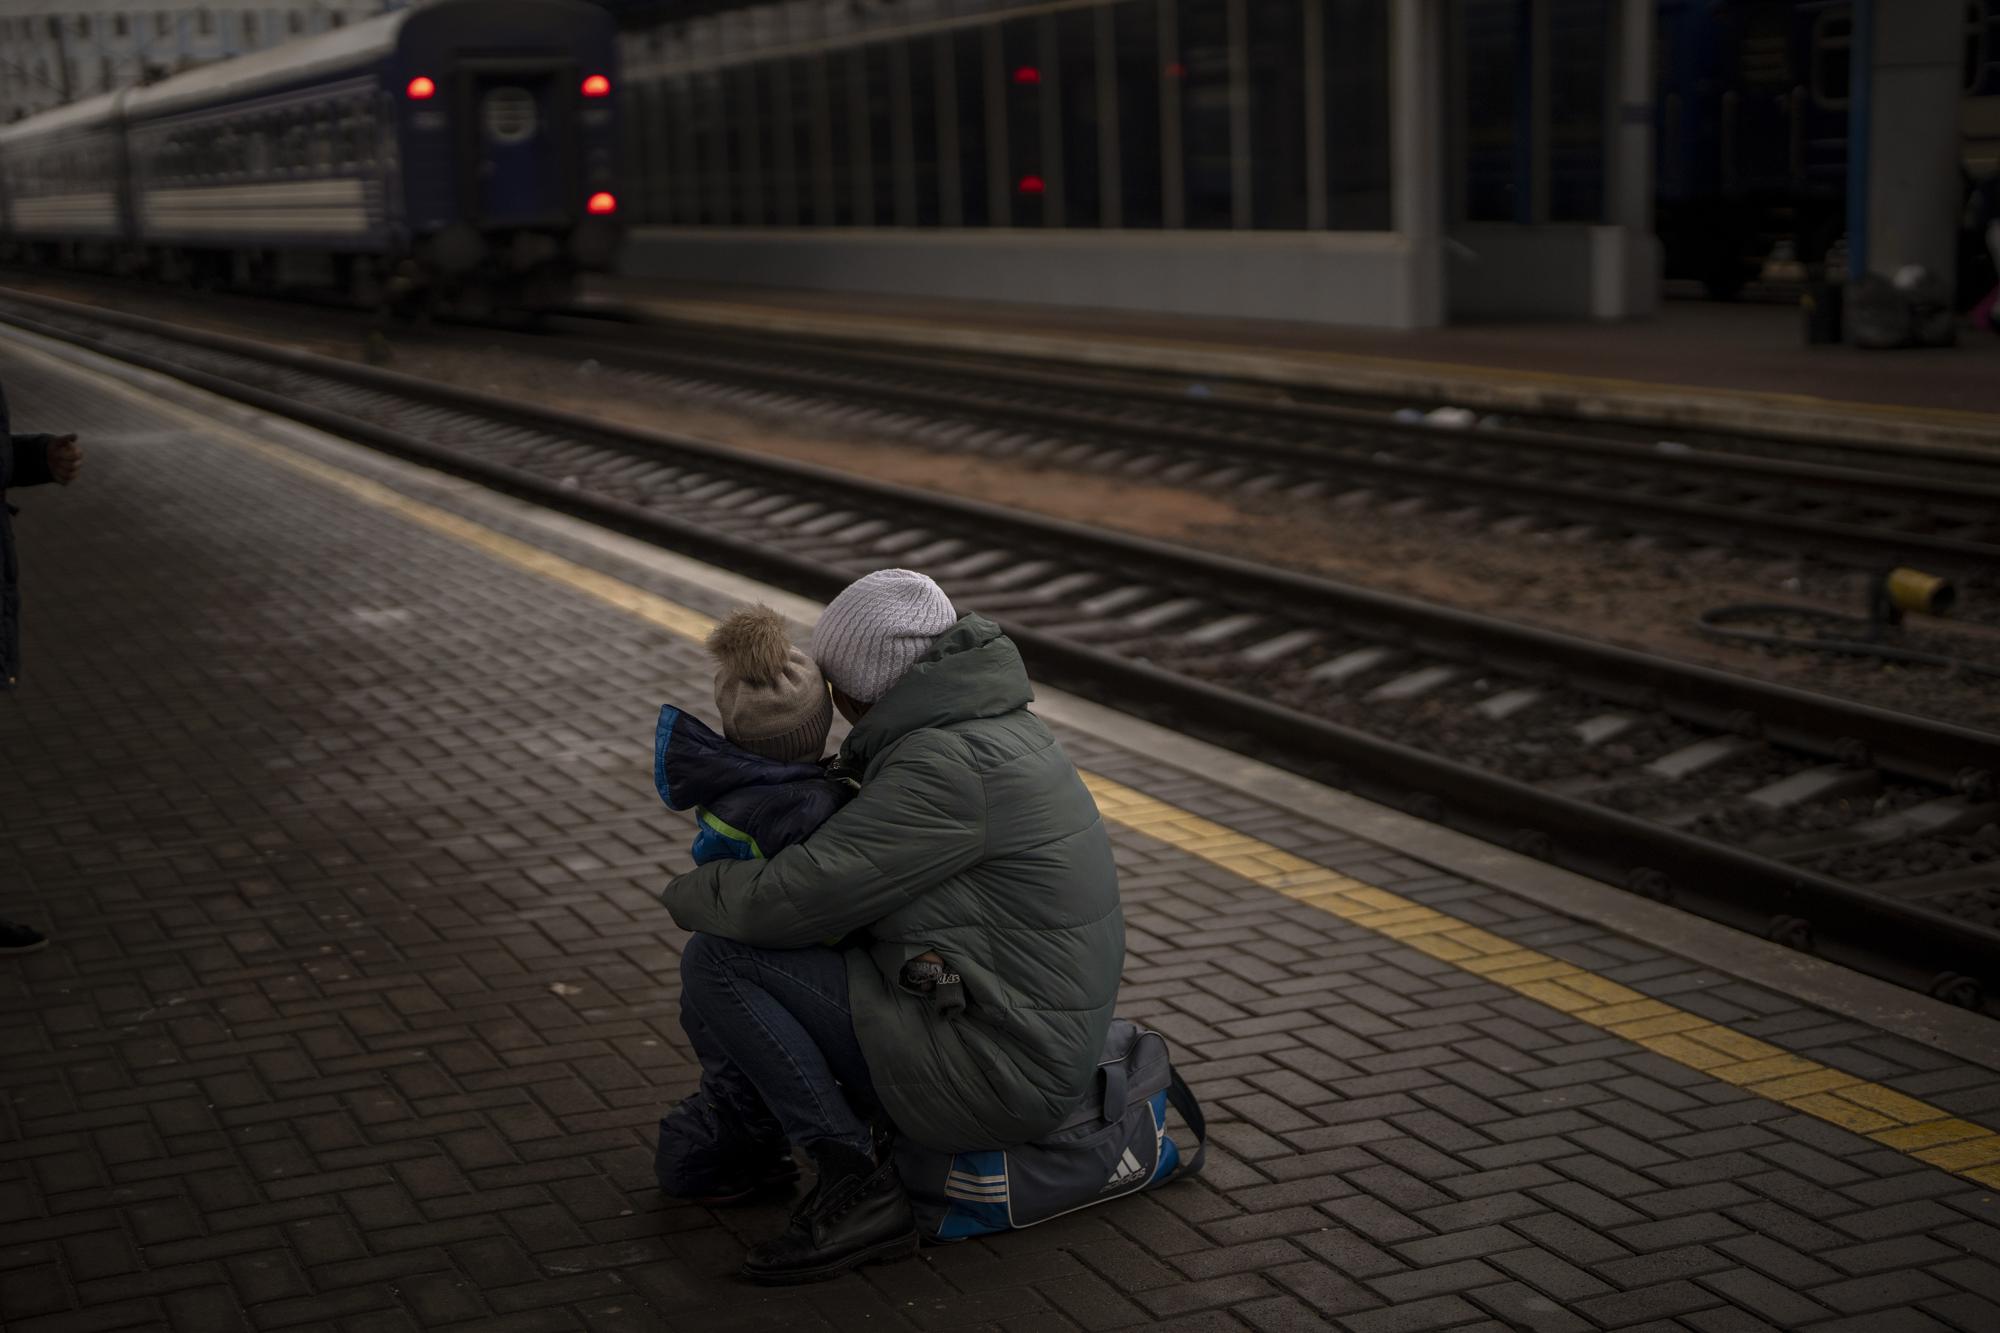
1698 365
330 778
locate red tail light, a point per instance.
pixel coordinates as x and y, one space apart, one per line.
422 88
1027 74
597 86
603 204
1033 185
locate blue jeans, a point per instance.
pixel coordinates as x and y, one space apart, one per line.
775 1037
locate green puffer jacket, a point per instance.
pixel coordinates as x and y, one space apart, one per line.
972 835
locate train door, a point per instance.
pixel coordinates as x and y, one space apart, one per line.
521 177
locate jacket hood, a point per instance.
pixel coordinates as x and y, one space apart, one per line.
972 671
693 765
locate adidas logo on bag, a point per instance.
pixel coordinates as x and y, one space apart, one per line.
1128 1171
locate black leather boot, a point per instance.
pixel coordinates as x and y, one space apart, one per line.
848 1220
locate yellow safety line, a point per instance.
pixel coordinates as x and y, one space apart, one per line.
1928 1133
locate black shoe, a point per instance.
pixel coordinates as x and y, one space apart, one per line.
844 1223
17 938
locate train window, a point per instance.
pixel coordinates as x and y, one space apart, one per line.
83 25
887 85
968 75
120 25
1832 57
1207 113
925 129
1138 64
1355 64
1275 50
294 22
339 19
204 22
1028 146
364 139
1077 64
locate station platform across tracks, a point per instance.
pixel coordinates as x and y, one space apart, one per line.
1692 366
329 779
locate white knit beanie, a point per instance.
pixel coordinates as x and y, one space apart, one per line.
877 629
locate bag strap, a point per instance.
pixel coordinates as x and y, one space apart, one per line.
1112 1076
1181 1098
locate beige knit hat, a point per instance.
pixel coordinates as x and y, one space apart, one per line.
773 700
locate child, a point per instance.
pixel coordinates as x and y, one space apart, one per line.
760 786
756 789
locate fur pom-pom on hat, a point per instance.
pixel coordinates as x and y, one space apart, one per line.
751 644
772 697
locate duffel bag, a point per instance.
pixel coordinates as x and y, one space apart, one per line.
1115 1143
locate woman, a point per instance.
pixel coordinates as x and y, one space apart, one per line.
971 887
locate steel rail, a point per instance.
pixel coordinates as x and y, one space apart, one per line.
1694 470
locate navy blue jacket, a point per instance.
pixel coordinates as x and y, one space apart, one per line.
24 461
747 807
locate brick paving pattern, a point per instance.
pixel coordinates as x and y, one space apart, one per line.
361 1008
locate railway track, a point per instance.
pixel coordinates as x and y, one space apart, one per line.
1869 837
1934 506
1846 506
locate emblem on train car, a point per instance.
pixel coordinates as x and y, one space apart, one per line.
510 115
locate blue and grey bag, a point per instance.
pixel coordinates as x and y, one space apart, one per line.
1114 1143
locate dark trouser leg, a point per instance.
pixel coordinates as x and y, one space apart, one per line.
726 1088
778 1021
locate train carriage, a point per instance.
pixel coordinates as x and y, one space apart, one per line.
62 192
462 151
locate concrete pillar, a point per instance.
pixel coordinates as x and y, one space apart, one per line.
1914 193
1417 158
1628 154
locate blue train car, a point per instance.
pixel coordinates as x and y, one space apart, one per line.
463 151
